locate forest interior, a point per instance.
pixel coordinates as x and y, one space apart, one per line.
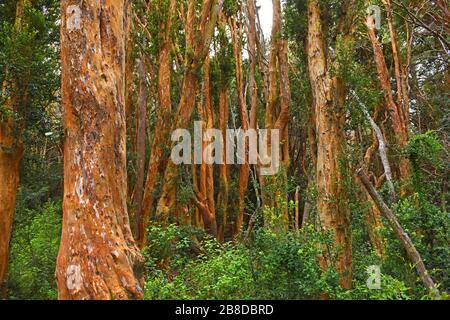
224 150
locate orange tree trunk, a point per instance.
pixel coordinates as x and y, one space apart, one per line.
10 156
97 258
277 117
206 191
224 188
396 111
331 203
11 152
244 169
159 154
198 42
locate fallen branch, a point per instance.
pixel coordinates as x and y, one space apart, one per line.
382 149
411 250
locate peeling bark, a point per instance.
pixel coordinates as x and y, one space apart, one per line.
98 258
328 96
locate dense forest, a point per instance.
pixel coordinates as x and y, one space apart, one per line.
116 123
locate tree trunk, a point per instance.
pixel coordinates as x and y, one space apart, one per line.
222 199
11 153
198 45
399 122
98 258
331 202
206 192
244 169
159 154
141 135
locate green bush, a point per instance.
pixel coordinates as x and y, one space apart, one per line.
272 266
34 248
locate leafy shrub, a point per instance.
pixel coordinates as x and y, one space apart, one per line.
272 266
34 248
391 289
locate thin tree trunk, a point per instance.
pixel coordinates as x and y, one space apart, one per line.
399 123
98 258
297 208
205 195
222 200
382 148
159 155
244 169
141 135
198 45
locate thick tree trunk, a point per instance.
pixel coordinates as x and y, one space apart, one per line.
98 258
331 202
11 152
130 105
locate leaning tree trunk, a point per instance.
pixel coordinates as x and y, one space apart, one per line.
402 236
98 258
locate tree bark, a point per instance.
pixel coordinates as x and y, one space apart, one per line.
399 123
198 45
141 137
206 191
98 258
382 147
244 169
331 202
11 153
222 199
159 154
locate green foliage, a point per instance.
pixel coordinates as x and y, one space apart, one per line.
391 289
425 149
429 228
34 248
272 266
